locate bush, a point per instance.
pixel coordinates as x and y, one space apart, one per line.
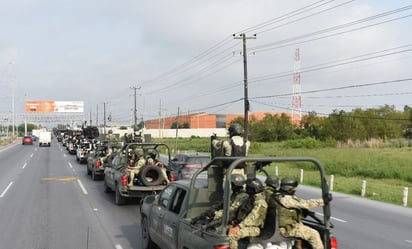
309 143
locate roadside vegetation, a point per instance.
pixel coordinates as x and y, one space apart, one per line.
386 167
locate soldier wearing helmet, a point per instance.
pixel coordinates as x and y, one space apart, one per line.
151 156
136 163
110 136
256 208
236 146
290 211
238 198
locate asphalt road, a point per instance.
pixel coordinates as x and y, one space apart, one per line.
47 201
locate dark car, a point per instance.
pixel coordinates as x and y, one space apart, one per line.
184 165
27 140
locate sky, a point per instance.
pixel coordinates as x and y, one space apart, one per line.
186 56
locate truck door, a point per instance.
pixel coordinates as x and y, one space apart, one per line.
159 233
172 217
109 173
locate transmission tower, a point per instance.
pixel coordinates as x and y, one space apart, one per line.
296 96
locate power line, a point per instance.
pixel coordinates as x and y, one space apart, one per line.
288 41
338 88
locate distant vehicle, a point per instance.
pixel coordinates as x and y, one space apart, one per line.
183 166
82 152
45 138
149 180
34 138
27 140
95 167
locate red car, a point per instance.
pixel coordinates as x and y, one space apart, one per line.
27 140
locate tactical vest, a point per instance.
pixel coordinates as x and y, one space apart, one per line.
238 150
288 216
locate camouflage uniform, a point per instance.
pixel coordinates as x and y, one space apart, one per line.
251 224
225 146
290 219
238 200
135 168
232 147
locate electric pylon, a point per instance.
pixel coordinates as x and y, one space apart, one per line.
296 96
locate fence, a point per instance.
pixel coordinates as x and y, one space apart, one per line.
372 189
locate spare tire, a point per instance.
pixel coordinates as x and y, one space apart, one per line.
151 175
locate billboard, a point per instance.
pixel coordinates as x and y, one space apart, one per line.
51 106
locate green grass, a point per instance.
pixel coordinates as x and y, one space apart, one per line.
387 171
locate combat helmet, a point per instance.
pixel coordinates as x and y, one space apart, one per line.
272 182
238 180
288 183
254 186
235 130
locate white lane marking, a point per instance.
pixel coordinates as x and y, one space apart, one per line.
64 155
333 218
118 246
70 165
32 154
24 166
408 241
82 187
5 191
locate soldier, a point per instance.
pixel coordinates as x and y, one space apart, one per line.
111 136
238 198
250 226
290 211
236 146
152 160
137 163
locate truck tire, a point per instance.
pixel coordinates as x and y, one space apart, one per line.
147 242
94 176
151 175
107 189
118 198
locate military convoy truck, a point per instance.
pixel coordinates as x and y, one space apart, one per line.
170 219
151 178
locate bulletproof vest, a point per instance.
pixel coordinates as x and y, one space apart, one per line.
288 216
238 150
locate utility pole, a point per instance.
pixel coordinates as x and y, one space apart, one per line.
245 83
97 115
134 110
104 118
177 128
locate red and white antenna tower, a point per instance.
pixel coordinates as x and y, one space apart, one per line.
296 96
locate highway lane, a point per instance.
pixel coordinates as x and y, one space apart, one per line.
361 223
371 224
52 203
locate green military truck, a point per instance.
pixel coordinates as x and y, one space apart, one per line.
173 219
150 179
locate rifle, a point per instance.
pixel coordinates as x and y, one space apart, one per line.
232 221
209 213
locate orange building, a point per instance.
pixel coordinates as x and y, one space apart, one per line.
202 120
